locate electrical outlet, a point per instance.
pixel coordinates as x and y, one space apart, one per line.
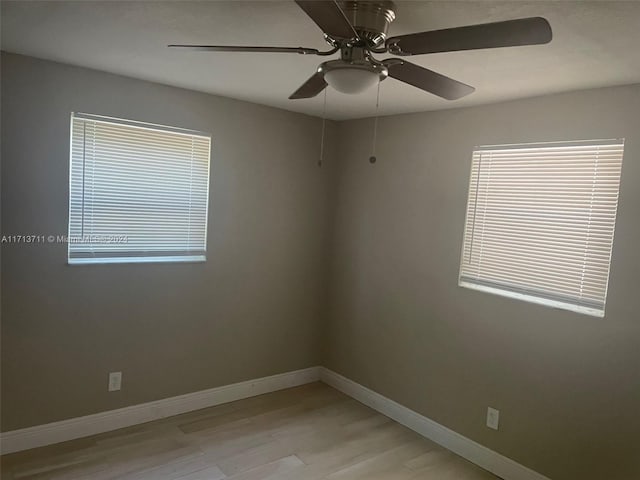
493 418
115 381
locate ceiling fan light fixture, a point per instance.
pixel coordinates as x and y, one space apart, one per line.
351 80
352 77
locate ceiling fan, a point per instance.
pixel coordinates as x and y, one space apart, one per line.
358 30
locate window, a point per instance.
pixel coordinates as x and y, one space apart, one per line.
138 192
540 222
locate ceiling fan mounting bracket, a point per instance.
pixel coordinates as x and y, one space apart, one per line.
370 19
395 49
335 43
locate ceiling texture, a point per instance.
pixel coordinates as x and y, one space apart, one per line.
595 44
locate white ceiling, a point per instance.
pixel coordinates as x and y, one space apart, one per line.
595 44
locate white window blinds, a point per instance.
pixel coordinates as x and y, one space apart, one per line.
540 222
138 192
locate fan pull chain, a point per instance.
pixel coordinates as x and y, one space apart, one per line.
372 158
324 119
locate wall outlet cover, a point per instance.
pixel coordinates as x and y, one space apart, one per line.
493 418
115 381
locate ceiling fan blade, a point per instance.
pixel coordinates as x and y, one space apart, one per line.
235 48
329 17
426 79
512 33
312 87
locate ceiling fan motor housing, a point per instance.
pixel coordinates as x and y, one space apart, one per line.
370 19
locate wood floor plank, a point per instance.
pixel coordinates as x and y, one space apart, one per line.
389 463
211 473
312 432
273 469
254 457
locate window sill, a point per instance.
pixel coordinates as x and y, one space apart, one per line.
167 259
595 312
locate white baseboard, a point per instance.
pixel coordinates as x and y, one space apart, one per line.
40 435
492 461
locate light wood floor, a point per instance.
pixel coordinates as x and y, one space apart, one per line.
304 433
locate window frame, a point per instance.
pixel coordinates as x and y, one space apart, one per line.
531 294
106 259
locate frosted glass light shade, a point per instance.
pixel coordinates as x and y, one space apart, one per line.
351 80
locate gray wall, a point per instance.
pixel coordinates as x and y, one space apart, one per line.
386 310
253 309
567 385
